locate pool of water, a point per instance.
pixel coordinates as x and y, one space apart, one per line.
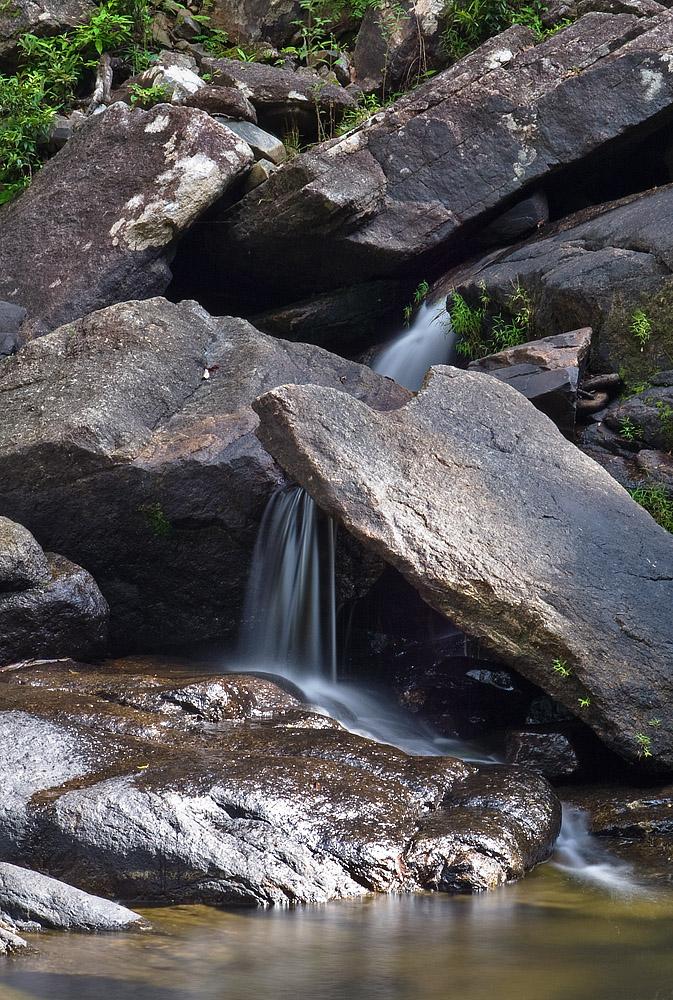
551 936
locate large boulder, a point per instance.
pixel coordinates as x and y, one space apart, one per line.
245 21
120 784
127 444
399 41
100 221
507 529
400 194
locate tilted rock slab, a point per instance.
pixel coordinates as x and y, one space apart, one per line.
406 188
99 222
29 896
127 444
137 796
509 530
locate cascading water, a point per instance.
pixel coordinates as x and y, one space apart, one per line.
428 341
289 619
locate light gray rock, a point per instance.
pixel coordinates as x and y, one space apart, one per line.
11 318
507 529
263 144
29 896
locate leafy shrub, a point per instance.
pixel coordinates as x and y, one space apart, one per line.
468 23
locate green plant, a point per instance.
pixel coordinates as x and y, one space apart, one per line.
645 744
640 327
467 322
468 23
584 702
147 97
560 667
419 295
368 105
25 118
629 430
654 722
657 501
155 519
476 339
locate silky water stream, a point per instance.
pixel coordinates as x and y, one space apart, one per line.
584 926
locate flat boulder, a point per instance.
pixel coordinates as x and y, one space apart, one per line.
127 444
114 216
546 371
135 798
401 193
28 897
507 529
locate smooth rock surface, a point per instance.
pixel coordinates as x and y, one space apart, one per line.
401 193
29 896
155 803
118 215
23 564
127 444
65 616
579 575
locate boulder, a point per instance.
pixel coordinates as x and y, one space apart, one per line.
27 896
398 43
596 268
246 21
23 564
116 217
127 444
546 371
569 592
399 195
39 17
155 803
284 100
66 615
549 752
11 318
229 101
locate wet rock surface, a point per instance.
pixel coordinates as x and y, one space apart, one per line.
176 162
127 443
121 783
414 181
426 487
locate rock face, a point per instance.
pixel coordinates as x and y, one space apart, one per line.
27 896
408 187
116 783
127 443
596 269
546 371
398 42
118 221
570 592
48 606
244 21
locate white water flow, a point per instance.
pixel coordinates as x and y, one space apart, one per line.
289 618
581 856
428 341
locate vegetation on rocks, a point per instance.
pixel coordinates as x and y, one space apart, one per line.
481 332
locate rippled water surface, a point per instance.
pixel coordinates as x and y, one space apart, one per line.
548 937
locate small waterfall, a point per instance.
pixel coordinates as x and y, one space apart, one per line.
289 619
583 857
428 341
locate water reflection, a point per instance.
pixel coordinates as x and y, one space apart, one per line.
545 937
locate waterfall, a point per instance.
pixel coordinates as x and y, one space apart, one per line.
428 341
289 618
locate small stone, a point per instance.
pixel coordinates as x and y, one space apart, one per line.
260 172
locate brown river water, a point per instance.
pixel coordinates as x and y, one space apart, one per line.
552 936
